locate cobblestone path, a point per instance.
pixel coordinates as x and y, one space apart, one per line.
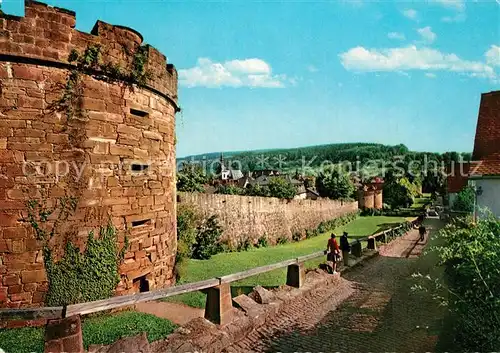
383 314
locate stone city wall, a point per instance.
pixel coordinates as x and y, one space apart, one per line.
246 217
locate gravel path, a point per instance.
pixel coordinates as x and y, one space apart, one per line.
380 314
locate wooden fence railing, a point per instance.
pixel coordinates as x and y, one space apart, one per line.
222 284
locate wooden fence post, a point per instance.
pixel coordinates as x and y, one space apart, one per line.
372 243
64 335
356 249
295 275
219 305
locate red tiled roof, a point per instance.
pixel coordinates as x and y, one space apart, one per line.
486 167
487 141
457 177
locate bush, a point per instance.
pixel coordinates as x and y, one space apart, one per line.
188 221
370 212
465 200
262 242
226 246
282 240
207 239
245 245
257 190
230 190
323 227
297 236
310 233
326 226
470 256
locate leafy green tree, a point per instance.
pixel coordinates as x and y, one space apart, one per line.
280 188
229 189
413 187
257 190
433 182
191 178
334 184
399 193
465 200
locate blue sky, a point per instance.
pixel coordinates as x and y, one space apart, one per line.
270 74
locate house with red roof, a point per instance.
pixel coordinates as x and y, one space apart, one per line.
457 179
484 170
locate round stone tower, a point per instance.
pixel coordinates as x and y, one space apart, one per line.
90 116
370 194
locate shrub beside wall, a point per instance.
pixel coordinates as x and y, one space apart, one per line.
470 256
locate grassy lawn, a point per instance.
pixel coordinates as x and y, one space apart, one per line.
104 329
227 263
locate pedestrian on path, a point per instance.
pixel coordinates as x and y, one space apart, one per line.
422 232
333 253
345 248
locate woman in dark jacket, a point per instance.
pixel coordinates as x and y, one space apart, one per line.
345 248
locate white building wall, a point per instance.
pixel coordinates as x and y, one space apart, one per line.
490 197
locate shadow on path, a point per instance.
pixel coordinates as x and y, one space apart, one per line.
383 314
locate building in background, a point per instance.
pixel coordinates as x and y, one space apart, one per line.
484 173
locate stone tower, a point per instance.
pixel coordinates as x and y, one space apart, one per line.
370 194
101 131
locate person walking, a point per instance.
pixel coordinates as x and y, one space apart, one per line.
332 253
345 248
422 231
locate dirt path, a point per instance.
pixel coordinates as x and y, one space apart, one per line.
381 315
178 313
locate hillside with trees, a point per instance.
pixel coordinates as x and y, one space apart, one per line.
313 157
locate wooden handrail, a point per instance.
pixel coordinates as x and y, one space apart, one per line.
131 299
310 256
255 271
32 313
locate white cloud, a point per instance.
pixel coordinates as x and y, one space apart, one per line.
459 17
412 58
396 35
430 75
410 13
312 68
427 34
234 73
250 66
458 5
493 55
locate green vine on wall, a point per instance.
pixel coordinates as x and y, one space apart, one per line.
76 276
90 62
